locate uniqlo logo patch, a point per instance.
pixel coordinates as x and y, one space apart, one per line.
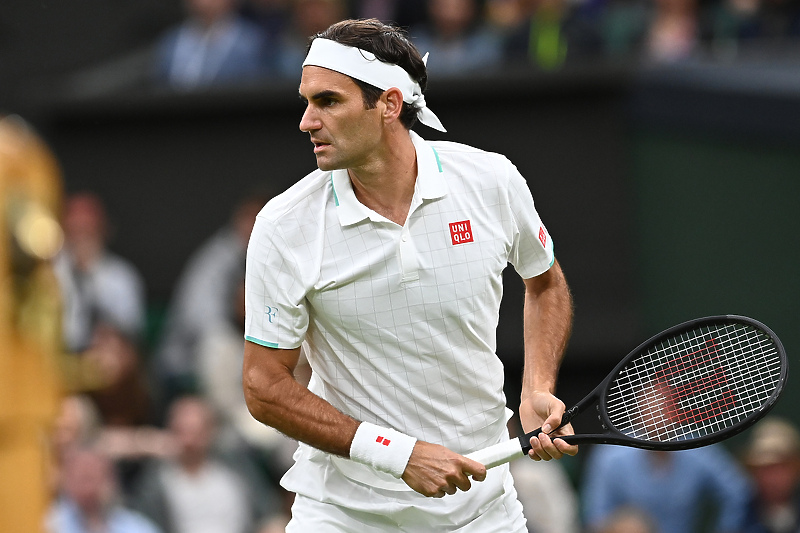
542 236
461 232
381 440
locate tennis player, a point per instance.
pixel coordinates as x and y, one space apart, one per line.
385 265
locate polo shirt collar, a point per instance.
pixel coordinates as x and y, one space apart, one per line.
429 186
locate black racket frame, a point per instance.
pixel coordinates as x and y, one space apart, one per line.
613 436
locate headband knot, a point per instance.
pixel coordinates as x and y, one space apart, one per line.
364 66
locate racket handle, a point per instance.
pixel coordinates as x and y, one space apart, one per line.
525 440
498 454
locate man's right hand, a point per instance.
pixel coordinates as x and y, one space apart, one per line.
434 471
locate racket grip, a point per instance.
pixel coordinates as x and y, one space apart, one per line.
497 454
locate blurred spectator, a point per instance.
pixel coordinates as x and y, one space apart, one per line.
202 299
535 31
98 286
307 18
760 25
215 45
88 500
674 31
457 38
733 21
77 425
548 498
272 16
772 457
674 488
196 490
623 27
121 391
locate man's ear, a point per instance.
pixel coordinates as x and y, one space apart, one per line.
393 104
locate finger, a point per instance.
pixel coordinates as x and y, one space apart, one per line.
474 469
565 447
542 448
549 447
463 483
553 421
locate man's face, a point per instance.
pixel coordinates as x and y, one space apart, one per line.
345 134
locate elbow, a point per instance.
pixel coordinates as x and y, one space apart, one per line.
262 394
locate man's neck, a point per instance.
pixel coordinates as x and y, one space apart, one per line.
387 185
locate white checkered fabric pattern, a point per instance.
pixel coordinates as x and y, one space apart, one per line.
399 321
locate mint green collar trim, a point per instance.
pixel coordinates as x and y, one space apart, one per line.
335 196
438 162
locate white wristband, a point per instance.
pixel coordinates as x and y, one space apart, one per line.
383 449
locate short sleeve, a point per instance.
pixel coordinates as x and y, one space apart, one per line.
276 313
532 247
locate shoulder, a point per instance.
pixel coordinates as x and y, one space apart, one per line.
473 168
291 218
464 154
314 187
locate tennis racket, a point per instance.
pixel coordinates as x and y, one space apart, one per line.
694 384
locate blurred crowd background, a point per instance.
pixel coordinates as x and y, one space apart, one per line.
661 137
195 43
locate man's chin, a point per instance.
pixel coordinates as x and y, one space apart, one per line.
327 165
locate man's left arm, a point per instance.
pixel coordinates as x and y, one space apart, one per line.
547 327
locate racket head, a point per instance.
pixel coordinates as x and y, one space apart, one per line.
692 385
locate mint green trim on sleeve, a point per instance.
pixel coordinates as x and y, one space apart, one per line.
261 343
438 163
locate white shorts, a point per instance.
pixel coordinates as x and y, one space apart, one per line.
504 515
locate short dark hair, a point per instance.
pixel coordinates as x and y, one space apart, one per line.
390 44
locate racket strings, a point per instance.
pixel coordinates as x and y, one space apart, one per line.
695 383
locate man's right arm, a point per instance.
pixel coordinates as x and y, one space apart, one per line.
274 397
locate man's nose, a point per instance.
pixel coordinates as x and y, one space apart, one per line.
309 122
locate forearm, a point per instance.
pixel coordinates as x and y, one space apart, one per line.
275 398
547 327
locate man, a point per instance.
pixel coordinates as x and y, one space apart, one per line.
197 489
88 499
386 264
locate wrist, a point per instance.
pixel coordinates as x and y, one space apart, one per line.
383 449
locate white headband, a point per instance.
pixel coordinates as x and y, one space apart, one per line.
364 66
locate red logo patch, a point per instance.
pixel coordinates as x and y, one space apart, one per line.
381 440
542 236
461 232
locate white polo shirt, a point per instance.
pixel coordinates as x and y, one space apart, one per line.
399 321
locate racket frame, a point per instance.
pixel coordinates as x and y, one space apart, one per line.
613 436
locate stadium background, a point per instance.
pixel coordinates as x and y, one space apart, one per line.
671 191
